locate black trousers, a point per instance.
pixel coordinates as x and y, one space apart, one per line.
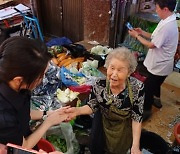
152 88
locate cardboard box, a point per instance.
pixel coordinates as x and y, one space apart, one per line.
4 1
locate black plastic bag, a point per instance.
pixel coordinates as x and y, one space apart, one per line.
76 50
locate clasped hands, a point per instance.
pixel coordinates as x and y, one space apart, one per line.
64 114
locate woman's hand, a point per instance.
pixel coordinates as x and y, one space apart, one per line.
3 149
56 117
60 110
135 150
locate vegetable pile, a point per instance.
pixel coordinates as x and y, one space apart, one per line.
100 50
58 142
66 96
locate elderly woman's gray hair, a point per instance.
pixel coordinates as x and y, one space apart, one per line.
122 54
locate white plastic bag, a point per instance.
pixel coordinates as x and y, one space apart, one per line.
65 131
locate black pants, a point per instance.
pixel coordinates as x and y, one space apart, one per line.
152 88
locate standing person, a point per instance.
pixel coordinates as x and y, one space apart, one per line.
118 106
160 57
23 63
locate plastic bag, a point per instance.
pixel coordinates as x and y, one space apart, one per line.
67 77
59 41
81 89
76 50
65 131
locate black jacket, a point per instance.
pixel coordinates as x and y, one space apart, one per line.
14 115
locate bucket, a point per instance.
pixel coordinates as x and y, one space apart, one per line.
177 133
45 145
153 143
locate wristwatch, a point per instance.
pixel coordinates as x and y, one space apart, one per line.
44 115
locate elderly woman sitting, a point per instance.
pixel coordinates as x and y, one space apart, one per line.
119 101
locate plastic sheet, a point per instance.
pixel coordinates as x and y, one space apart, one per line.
44 97
59 41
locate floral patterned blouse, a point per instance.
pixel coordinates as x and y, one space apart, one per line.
100 96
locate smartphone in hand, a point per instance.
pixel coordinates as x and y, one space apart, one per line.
16 149
129 26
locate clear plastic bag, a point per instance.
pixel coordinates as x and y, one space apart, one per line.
65 131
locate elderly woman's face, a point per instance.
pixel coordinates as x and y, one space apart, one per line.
117 72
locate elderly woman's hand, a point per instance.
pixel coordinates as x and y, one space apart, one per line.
72 113
60 110
3 149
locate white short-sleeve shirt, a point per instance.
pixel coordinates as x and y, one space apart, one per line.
160 60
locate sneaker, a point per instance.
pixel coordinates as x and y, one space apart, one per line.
146 114
157 102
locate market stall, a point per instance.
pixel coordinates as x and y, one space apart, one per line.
68 80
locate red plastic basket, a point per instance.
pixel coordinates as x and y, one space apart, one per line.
45 145
177 132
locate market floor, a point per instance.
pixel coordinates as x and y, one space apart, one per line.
163 120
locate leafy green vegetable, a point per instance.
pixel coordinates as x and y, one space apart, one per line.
58 142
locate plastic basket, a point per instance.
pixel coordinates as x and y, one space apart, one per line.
45 145
177 133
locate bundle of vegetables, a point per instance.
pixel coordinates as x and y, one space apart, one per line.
89 68
66 96
64 59
90 63
101 50
54 50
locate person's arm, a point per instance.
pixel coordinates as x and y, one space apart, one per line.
76 111
53 119
146 34
136 132
138 36
143 33
145 42
3 149
37 114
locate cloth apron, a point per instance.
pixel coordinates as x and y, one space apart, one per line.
117 125
118 131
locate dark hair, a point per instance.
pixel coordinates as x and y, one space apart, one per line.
21 56
170 4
